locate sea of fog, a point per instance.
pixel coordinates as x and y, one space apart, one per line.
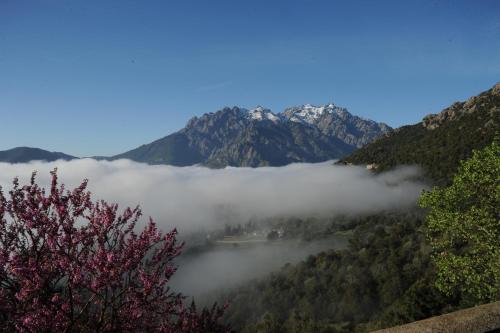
194 197
197 198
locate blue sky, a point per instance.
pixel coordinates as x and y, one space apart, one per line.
102 77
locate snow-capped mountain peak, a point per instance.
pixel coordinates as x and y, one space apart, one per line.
309 114
261 113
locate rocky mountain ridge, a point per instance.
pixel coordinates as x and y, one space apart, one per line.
258 137
337 121
458 109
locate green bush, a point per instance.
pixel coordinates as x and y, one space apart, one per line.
464 228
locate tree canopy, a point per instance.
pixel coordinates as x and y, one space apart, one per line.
464 228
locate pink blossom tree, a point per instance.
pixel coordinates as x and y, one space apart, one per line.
68 264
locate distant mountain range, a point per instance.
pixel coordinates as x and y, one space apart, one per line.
240 137
440 141
27 154
259 137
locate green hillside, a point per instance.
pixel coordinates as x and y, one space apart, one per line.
440 141
383 278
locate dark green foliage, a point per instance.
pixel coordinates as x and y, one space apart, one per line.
438 151
382 279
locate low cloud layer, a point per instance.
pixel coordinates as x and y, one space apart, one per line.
195 197
223 267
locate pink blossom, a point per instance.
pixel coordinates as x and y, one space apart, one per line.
59 276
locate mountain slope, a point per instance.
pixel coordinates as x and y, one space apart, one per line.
26 154
440 141
173 149
258 137
263 144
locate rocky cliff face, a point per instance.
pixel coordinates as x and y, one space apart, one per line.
459 109
259 137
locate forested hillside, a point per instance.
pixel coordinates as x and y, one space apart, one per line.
384 278
440 141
